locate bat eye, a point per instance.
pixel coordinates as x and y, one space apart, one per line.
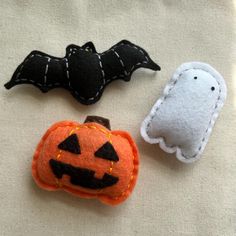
195 77
107 152
70 144
212 88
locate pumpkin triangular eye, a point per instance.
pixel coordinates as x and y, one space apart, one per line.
107 152
70 144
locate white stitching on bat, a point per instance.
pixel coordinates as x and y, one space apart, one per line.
45 75
101 67
46 71
67 72
121 61
113 49
103 78
73 51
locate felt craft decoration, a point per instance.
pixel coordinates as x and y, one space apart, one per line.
83 71
182 119
87 160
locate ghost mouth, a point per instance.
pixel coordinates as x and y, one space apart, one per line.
81 176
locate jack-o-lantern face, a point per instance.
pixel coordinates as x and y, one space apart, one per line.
87 160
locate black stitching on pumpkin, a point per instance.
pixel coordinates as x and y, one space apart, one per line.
70 144
81 176
107 152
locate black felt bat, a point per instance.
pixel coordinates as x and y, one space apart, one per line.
83 71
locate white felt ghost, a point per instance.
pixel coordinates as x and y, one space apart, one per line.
182 119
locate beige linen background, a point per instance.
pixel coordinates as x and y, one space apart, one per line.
170 198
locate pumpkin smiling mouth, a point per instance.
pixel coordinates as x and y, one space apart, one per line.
81 176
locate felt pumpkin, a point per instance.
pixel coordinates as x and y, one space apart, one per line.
87 160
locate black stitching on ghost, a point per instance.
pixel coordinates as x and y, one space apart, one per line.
71 144
107 152
81 176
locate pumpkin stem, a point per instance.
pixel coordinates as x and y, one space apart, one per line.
98 119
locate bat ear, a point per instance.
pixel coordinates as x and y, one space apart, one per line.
125 41
71 47
89 46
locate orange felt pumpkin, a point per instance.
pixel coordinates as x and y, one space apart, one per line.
87 160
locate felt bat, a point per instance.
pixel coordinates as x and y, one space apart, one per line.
83 71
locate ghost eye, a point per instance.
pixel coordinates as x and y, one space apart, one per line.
107 152
212 88
70 144
195 77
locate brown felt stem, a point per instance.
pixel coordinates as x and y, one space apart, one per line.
98 119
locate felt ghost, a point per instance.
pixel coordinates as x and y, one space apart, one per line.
182 119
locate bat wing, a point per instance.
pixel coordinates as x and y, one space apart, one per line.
42 70
134 56
121 60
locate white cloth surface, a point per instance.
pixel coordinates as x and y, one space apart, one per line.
170 198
